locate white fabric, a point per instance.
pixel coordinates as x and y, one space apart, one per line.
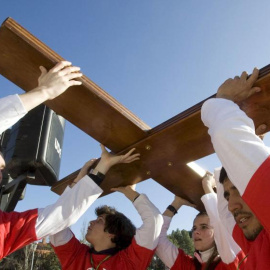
147 235
226 246
68 208
205 255
11 111
166 250
234 140
224 214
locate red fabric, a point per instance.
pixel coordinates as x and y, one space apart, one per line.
16 230
257 196
186 262
76 256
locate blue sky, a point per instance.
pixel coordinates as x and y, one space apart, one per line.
156 57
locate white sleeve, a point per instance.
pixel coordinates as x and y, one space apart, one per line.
147 235
166 250
225 215
227 248
61 238
71 205
240 151
11 111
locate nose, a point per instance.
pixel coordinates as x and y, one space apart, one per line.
196 232
91 222
234 203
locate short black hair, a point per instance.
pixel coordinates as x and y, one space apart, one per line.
223 175
118 224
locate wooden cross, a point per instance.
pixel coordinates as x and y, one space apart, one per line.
165 149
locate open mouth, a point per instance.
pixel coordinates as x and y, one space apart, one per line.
196 240
243 221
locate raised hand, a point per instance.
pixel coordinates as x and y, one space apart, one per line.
208 183
51 84
108 160
179 201
239 88
129 191
58 79
84 171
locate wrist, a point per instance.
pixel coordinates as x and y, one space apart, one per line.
208 189
102 167
132 195
177 205
43 92
172 209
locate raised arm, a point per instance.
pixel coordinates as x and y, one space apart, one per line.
166 250
51 84
147 235
240 150
91 173
228 250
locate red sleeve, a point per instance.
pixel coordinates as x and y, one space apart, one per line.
257 196
16 230
70 252
139 256
183 261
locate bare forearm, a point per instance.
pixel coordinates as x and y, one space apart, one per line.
34 98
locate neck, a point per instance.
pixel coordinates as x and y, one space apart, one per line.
103 246
205 255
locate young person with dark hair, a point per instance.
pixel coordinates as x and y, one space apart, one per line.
215 248
243 195
115 244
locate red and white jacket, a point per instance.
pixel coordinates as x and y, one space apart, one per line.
247 163
230 253
76 256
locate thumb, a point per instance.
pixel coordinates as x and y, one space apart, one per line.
43 70
261 129
103 149
254 90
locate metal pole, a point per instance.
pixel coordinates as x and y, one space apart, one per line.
34 245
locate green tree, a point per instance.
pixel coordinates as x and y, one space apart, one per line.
181 239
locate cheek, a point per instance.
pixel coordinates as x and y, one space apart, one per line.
208 234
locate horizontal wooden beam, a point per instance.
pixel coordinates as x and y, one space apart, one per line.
165 150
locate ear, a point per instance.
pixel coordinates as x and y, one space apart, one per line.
111 236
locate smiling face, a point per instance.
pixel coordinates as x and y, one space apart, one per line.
243 216
202 233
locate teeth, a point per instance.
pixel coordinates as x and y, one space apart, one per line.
243 220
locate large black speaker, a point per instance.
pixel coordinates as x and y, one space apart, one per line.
35 146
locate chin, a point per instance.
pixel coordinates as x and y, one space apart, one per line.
251 235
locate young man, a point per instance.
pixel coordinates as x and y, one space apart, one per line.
246 160
115 244
20 229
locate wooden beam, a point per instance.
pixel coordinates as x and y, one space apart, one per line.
165 150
